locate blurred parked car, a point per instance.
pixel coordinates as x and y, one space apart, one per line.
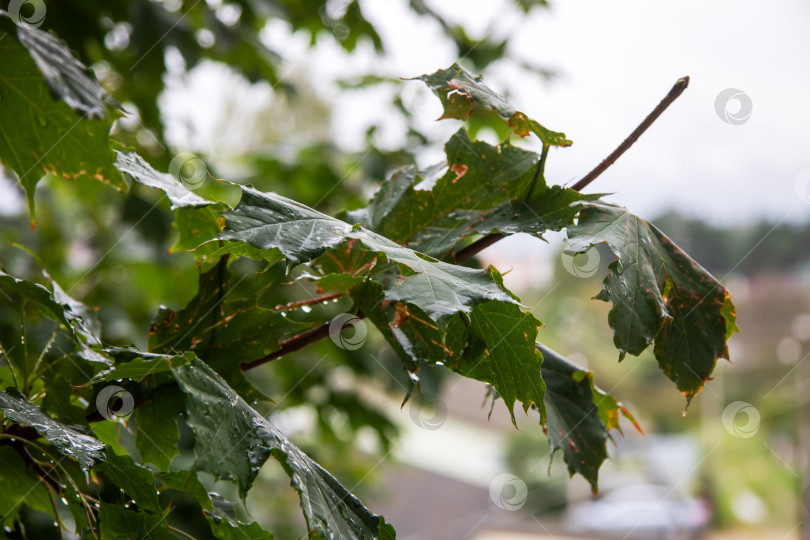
640 512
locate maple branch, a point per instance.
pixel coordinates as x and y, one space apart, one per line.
319 332
481 244
486 241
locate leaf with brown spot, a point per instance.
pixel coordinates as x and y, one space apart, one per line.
460 91
61 129
658 293
482 190
579 416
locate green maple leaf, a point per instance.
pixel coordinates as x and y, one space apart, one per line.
658 293
52 113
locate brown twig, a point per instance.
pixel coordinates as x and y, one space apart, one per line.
308 301
481 244
673 94
292 344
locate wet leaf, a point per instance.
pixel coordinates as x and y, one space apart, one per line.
52 117
119 523
268 221
141 366
224 328
658 293
179 194
155 422
233 441
134 480
579 415
482 189
67 439
459 92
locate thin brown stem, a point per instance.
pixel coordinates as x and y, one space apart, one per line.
481 244
307 302
292 344
673 94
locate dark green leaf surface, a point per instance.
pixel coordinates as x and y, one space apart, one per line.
574 421
233 441
156 432
56 305
134 480
658 293
143 365
224 328
459 92
57 400
39 132
222 524
551 208
510 360
19 487
186 481
479 179
268 221
119 523
67 439
497 347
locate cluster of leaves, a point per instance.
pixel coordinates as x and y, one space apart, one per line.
131 40
396 262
